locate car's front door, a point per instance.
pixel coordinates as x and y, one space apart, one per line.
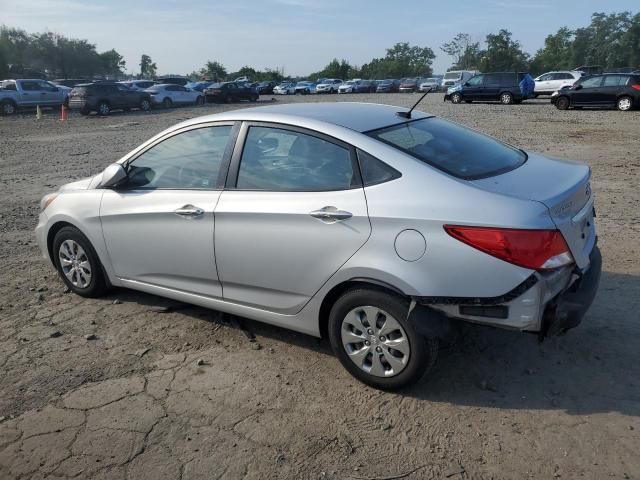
292 214
474 87
159 226
586 92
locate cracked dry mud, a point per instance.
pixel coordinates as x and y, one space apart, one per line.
182 392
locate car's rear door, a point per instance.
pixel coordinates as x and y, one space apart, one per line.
492 86
159 227
612 85
292 213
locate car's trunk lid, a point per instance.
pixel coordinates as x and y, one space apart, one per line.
563 187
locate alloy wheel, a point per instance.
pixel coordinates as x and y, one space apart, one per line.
506 98
624 104
103 109
375 341
8 108
75 263
145 105
456 98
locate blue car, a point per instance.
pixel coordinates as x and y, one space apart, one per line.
504 87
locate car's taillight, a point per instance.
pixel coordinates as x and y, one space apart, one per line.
534 249
636 87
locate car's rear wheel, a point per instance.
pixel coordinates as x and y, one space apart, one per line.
506 98
371 336
77 263
145 105
624 104
562 103
167 103
456 97
8 107
104 108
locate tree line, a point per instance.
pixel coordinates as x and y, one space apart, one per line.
610 40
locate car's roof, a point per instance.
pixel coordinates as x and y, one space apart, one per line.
360 117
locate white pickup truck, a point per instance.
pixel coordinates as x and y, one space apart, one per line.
29 93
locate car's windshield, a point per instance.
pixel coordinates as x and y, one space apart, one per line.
452 148
451 75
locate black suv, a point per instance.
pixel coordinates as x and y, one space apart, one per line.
609 90
102 97
503 87
227 92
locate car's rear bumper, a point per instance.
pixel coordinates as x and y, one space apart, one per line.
78 104
546 303
567 309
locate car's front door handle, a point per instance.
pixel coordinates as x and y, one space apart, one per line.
330 214
189 211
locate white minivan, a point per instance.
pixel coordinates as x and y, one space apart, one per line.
456 76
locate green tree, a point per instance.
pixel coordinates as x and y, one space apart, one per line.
112 62
148 67
556 53
503 54
214 71
466 53
401 60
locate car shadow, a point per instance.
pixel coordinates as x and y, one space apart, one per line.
594 368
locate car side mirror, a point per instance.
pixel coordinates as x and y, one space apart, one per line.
112 176
578 87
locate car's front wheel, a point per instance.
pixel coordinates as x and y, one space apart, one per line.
104 108
456 98
624 104
8 107
145 105
374 341
77 263
562 103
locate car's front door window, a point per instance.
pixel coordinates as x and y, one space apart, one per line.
591 82
188 160
475 81
284 160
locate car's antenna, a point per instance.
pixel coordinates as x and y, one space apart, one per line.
408 114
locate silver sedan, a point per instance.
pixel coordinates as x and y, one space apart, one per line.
374 226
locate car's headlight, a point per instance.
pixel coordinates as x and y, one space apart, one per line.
47 199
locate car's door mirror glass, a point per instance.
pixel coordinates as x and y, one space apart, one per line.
113 176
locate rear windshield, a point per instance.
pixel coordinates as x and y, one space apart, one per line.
452 148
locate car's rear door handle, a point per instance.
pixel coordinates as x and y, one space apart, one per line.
189 211
330 214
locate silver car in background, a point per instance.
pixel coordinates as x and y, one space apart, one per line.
374 226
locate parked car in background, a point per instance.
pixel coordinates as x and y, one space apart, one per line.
138 84
227 92
365 86
306 237
305 88
266 88
348 86
329 85
29 93
505 87
550 82
69 82
175 79
285 88
429 85
168 95
242 80
388 86
455 77
590 69
104 97
408 85
198 86
609 90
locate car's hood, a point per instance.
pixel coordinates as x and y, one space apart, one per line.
79 184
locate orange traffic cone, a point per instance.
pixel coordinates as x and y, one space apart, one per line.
38 113
63 113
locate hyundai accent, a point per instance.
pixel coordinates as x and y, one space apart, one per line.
374 226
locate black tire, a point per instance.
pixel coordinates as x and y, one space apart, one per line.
200 101
562 103
456 97
423 351
104 108
145 105
167 103
97 285
624 103
8 107
85 111
506 98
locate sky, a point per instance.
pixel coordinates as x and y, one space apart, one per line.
300 36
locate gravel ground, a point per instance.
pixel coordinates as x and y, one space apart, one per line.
135 386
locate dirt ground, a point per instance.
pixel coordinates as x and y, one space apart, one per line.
168 391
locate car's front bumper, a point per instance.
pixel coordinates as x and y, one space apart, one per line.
41 235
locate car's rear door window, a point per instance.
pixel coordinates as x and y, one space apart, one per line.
452 148
275 159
